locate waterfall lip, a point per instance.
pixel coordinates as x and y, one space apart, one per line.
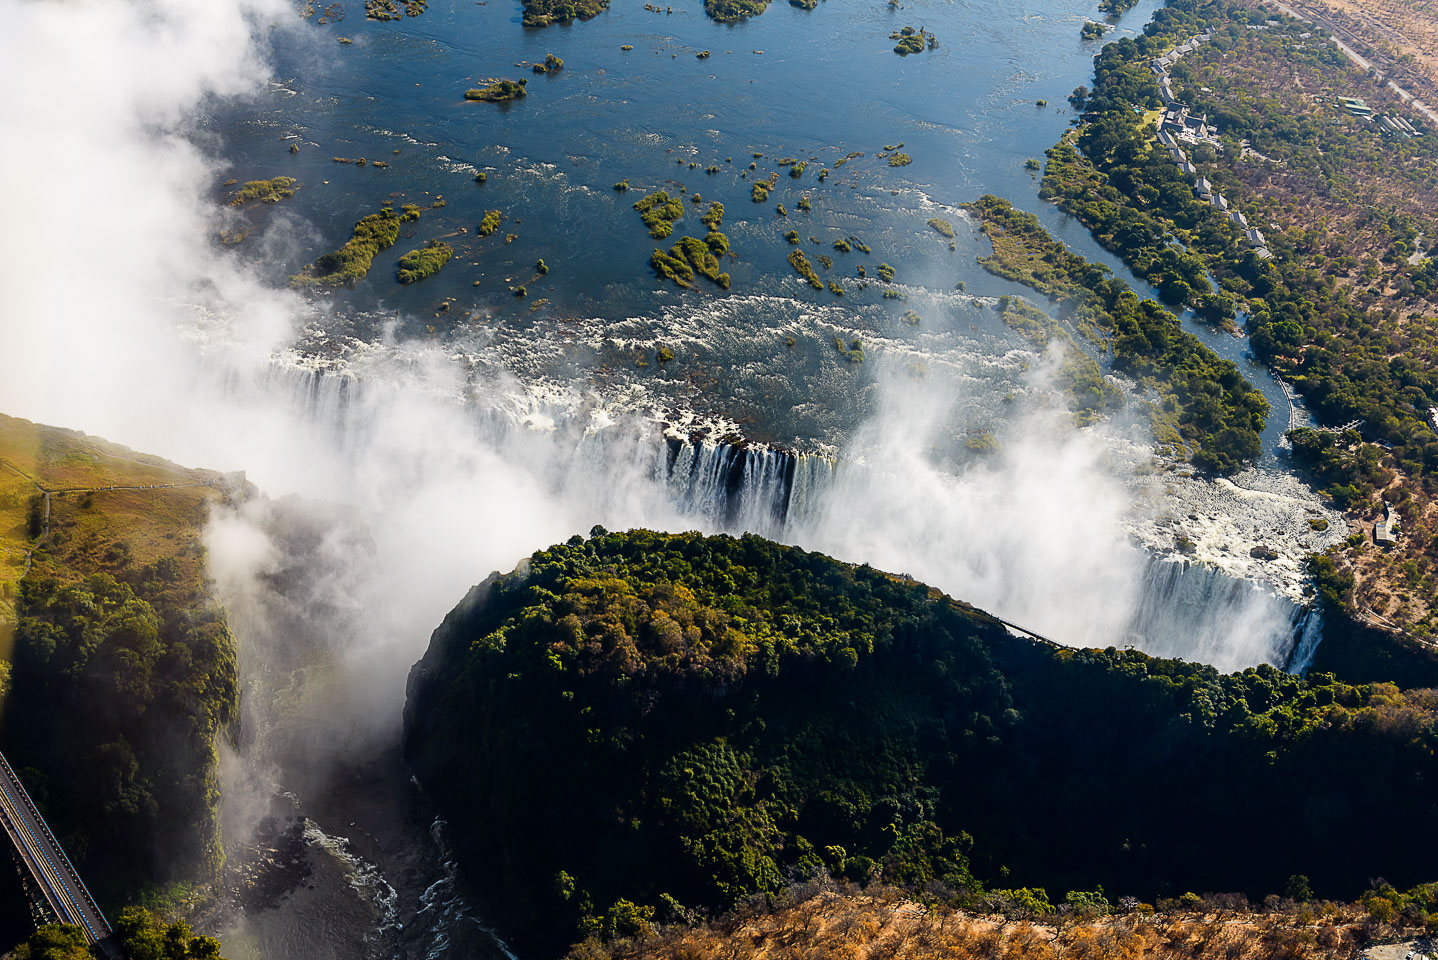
1219 516
711 474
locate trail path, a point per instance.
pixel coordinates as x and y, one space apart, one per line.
47 492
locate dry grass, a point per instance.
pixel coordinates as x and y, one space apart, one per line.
887 925
1400 34
93 529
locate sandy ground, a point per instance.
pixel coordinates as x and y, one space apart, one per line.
1399 951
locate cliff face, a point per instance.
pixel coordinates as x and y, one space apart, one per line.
122 667
638 724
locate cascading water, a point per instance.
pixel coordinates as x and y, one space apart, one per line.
1193 611
1181 609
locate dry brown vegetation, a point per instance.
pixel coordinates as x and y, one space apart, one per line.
1402 35
1393 585
890 925
1337 188
93 528
1353 203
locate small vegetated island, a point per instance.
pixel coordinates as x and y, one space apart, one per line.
500 91
350 263
659 211
913 41
687 258
805 269
423 261
390 9
691 256
1207 409
719 715
541 13
489 223
264 191
732 11
551 64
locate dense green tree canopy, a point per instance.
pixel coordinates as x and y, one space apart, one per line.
640 721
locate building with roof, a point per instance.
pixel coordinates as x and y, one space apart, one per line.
1385 531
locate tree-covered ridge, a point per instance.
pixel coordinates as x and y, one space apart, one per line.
1204 398
123 668
637 724
1334 312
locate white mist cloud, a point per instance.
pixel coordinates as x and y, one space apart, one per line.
108 231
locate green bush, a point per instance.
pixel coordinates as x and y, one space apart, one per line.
424 261
350 263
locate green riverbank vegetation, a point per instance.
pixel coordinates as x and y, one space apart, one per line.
118 671
1340 310
1204 398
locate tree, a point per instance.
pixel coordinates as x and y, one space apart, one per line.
56 941
147 937
1297 888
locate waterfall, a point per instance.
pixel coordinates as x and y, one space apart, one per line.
1309 634
737 488
1195 611
634 469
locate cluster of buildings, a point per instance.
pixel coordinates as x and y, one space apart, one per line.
1359 107
1178 126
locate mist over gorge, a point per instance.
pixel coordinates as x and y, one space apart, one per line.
403 442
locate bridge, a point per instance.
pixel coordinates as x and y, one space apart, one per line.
50 876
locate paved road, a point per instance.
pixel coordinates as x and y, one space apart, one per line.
46 863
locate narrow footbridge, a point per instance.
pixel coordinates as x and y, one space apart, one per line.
47 871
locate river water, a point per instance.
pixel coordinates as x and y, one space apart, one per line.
771 427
